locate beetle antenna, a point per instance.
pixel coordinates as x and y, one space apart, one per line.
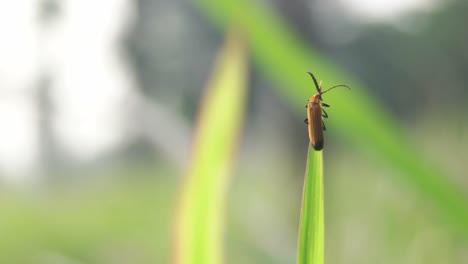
339 85
315 82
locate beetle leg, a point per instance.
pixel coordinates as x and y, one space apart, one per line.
305 106
324 113
306 121
326 105
323 124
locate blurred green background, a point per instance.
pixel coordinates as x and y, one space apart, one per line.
98 103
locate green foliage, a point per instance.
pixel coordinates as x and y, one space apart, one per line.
89 223
311 228
199 218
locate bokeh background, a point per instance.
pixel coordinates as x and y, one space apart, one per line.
98 101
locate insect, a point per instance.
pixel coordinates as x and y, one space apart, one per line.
315 114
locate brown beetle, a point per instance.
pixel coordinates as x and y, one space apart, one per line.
315 112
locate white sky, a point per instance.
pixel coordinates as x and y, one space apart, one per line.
90 81
384 10
18 73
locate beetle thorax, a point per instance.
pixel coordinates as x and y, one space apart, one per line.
315 99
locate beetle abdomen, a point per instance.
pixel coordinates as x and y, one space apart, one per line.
314 115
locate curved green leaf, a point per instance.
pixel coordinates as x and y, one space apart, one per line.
311 227
199 217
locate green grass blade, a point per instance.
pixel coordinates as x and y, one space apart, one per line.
311 227
285 59
199 217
